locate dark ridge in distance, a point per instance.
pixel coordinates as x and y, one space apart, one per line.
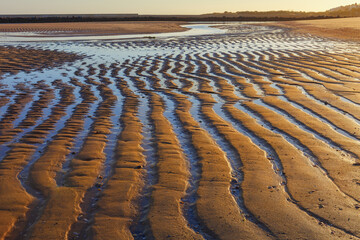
136 17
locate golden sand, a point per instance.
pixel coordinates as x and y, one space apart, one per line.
94 28
14 59
284 193
341 28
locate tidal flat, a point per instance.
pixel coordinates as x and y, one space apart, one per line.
223 131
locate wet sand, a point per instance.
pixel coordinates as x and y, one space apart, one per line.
250 135
14 59
92 28
343 28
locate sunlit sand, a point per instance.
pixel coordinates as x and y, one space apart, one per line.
343 28
92 28
247 133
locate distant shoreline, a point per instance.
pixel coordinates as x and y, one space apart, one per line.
339 28
135 17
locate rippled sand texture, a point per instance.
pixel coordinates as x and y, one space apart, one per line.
249 135
13 59
339 28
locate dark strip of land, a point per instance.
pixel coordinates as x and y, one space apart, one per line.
136 17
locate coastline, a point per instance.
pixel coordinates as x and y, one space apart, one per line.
342 29
187 29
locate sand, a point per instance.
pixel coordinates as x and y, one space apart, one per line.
196 144
114 218
343 28
14 59
93 28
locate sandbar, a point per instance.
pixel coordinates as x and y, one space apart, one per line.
339 28
93 28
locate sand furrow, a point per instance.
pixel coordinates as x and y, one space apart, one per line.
339 71
18 200
171 171
16 59
263 192
63 205
312 223
38 107
86 108
264 85
314 125
228 222
332 100
308 186
248 228
244 80
165 214
7 99
345 91
81 229
209 204
340 167
7 128
337 118
141 227
43 171
303 74
117 205
335 72
31 117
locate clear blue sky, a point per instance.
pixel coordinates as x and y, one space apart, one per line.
162 6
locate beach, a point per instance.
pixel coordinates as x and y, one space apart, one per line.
339 28
249 133
92 28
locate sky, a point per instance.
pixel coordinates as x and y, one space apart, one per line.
162 6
